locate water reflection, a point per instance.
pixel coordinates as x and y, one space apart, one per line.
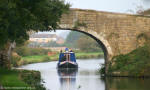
127 84
67 78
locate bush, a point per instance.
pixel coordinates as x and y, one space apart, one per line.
33 78
102 70
136 63
25 51
45 59
15 59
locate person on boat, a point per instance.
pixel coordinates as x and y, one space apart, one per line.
71 51
60 51
66 49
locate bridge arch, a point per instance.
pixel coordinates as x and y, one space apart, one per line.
100 40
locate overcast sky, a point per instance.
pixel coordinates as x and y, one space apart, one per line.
122 6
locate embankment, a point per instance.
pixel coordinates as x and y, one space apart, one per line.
20 80
133 64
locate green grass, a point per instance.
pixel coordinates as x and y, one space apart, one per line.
10 78
38 58
84 55
33 59
20 80
41 58
135 63
54 57
90 53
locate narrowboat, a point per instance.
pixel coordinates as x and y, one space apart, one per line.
67 60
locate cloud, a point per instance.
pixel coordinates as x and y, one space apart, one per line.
147 2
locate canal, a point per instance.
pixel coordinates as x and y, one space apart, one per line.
85 78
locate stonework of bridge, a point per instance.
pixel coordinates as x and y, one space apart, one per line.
117 33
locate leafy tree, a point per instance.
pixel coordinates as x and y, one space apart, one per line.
82 41
86 43
52 44
72 38
145 12
17 17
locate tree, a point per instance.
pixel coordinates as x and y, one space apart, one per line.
83 42
18 17
72 38
145 12
52 44
87 44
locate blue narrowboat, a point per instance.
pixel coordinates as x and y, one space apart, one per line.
67 60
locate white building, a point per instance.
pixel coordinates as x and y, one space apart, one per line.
43 38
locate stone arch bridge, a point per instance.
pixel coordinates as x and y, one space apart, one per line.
117 33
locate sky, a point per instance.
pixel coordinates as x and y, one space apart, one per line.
119 6
122 6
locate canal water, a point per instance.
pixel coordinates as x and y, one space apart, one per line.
85 78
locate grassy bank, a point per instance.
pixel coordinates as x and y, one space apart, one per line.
135 63
18 61
89 55
40 58
44 58
20 80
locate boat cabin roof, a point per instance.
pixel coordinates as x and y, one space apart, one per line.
67 55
